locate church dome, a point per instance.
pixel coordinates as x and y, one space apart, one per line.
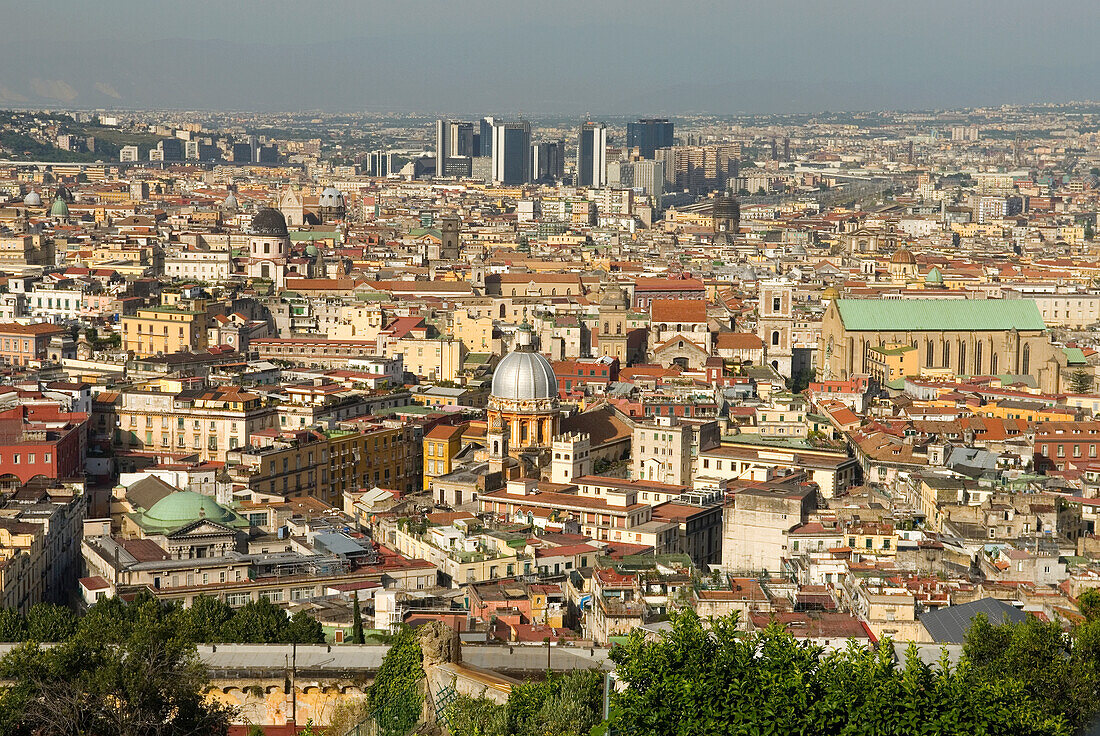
33 199
269 221
524 374
184 507
230 202
59 208
903 257
934 277
331 197
831 293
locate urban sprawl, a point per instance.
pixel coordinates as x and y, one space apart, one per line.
549 381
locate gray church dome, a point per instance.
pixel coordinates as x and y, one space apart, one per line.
33 199
269 221
331 197
524 374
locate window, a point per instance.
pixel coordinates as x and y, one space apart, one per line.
1025 363
775 337
236 600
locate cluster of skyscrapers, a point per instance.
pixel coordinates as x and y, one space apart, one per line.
502 151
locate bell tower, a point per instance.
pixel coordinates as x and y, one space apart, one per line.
451 247
497 436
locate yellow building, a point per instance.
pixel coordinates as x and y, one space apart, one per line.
164 330
22 564
1010 409
873 539
474 331
207 422
441 445
886 363
372 456
437 359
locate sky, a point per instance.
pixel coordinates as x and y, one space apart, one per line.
610 57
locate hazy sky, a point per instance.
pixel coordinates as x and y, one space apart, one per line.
570 56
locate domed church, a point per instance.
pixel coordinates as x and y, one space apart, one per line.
523 403
268 247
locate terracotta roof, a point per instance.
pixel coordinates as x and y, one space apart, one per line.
739 341
678 310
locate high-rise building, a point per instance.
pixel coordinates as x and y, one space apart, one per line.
485 136
649 134
592 155
454 145
700 169
442 139
548 161
512 152
378 163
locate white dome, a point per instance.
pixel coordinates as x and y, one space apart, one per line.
230 202
33 199
524 374
331 197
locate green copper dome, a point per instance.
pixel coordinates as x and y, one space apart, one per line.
934 277
183 507
59 208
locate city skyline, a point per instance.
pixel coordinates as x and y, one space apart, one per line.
612 59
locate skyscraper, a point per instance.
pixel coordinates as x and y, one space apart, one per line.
511 152
649 134
592 155
548 161
442 141
454 145
485 136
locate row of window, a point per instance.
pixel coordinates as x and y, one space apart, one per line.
31 457
10 345
1060 449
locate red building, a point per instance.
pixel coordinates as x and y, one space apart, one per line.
42 440
575 375
1059 443
22 344
678 286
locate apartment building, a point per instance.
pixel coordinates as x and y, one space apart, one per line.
164 330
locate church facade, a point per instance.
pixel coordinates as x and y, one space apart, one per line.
970 337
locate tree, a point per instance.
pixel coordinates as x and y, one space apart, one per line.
705 679
569 704
1042 660
1089 603
356 620
256 622
13 626
1080 382
303 629
150 684
206 619
48 623
395 697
